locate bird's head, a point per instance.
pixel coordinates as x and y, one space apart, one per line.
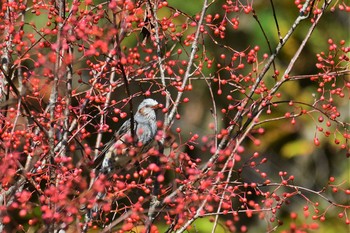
147 109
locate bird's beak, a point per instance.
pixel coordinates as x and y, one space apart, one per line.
157 106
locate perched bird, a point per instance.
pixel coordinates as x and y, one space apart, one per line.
145 129
119 149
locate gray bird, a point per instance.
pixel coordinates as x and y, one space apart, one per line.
117 150
145 129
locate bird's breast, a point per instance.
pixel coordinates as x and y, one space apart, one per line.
146 132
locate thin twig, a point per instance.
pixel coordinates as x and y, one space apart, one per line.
276 21
264 33
306 39
54 90
154 195
187 75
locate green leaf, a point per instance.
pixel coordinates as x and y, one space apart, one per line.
297 148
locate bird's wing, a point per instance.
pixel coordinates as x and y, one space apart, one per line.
100 157
118 136
124 132
123 129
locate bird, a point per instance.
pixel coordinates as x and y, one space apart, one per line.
145 128
117 151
